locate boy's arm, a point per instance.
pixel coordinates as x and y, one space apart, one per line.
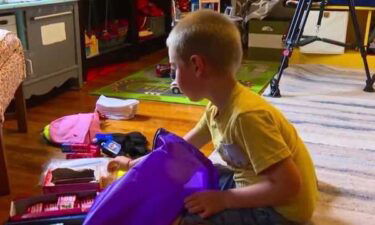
199 135
123 163
281 182
197 138
259 135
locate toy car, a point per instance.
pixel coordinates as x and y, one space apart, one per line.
163 70
175 89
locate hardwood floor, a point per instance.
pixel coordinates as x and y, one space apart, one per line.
26 153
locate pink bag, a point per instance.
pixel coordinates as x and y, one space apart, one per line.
78 128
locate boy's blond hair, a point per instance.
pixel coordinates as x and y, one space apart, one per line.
210 34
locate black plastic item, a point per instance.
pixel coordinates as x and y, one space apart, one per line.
133 144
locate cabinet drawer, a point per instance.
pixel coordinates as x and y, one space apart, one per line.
267 34
51 38
268 27
8 23
48 10
265 39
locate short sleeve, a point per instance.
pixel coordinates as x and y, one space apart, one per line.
202 126
261 139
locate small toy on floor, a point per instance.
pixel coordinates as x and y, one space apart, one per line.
174 86
163 70
76 151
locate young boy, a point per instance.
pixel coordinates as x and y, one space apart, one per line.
273 179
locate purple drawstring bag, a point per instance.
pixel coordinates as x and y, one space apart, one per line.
153 191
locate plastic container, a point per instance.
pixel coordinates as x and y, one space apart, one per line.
84 148
117 109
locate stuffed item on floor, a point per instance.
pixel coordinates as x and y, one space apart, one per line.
155 182
78 128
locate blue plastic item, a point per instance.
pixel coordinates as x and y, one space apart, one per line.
102 137
111 148
153 191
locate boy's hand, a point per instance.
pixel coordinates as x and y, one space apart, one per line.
206 203
120 162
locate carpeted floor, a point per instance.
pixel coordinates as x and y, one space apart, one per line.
336 119
145 85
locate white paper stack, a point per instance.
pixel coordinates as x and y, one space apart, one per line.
116 109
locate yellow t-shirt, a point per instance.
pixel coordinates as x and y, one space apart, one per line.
251 135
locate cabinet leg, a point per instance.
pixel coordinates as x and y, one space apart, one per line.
4 179
20 110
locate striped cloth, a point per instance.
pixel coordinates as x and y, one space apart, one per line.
336 120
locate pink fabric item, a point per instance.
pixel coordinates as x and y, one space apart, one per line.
77 128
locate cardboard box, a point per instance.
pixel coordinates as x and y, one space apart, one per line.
74 175
49 187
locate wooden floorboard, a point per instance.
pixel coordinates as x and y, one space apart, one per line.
26 153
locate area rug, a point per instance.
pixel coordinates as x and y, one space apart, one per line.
145 85
336 120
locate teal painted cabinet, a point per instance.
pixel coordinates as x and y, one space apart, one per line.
49 31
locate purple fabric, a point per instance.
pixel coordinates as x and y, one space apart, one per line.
153 191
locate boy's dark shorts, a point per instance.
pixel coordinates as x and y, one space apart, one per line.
245 216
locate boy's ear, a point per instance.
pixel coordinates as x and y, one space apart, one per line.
199 64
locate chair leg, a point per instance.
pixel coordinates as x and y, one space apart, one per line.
20 110
4 180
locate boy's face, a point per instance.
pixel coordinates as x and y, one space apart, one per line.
186 77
